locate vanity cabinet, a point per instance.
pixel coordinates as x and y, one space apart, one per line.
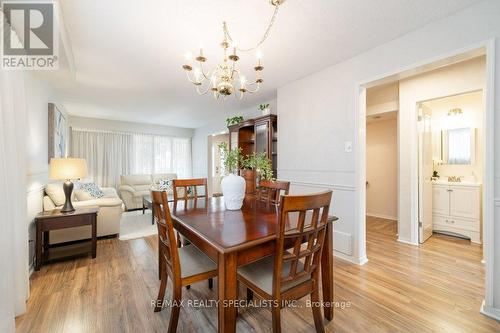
457 209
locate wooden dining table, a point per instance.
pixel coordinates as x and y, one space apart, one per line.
236 238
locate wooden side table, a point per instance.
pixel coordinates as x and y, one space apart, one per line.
55 220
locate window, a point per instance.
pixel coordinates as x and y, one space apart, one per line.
111 154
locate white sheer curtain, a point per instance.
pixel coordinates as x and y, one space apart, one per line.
111 154
107 154
14 285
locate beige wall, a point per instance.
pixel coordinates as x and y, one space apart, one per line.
473 112
382 169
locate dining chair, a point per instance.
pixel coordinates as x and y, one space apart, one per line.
187 185
294 270
184 266
270 191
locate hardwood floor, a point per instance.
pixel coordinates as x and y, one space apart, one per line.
437 287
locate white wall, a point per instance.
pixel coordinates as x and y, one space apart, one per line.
38 95
472 117
125 126
216 126
382 169
317 116
451 80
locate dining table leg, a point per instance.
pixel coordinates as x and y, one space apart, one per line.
327 272
227 292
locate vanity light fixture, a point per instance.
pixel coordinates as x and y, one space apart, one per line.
455 112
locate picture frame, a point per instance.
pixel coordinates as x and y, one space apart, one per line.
57 132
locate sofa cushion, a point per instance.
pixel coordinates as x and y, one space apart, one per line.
136 180
101 202
56 193
83 195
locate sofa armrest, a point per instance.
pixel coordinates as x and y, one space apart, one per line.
126 188
109 192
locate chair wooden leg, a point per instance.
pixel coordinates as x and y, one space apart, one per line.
316 310
276 310
161 292
175 309
249 294
210 283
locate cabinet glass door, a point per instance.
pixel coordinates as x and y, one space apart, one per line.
261 138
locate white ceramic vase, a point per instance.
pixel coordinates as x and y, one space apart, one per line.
233 190
266 111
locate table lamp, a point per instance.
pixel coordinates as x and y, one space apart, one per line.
67 169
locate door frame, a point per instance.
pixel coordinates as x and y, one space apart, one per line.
487 48
209 159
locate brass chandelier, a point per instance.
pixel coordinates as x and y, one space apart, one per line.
226 79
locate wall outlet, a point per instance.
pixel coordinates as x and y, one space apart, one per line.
348 147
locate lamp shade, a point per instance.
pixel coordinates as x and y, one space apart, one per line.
67 168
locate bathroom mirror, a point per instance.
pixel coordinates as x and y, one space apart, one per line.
459 146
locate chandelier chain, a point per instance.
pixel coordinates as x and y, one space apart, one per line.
264 37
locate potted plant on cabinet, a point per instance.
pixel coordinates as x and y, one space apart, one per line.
265 109
255 166
233 186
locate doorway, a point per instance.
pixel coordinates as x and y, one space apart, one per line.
451 166
382 160
215 164
408 173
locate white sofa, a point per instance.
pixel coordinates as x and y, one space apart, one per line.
108 218
133 188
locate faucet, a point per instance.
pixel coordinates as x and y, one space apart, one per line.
454 179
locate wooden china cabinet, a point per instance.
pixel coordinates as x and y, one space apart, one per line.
259 135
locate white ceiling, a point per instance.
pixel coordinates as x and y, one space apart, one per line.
128 54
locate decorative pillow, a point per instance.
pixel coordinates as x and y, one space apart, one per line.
165 184
92 189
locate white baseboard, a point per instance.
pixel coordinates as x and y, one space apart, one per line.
357 261
490 311
382 216
406 241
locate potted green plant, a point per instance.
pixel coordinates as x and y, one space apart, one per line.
255 166
234 120
265 109
233 185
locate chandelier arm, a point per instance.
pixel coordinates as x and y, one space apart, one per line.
264 37
253 91
202 92
205 75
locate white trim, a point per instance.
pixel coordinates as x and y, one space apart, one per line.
324 185
357 261
407 241
382 216
489 169
488 194
490 311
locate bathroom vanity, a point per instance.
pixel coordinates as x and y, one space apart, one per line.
456 209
